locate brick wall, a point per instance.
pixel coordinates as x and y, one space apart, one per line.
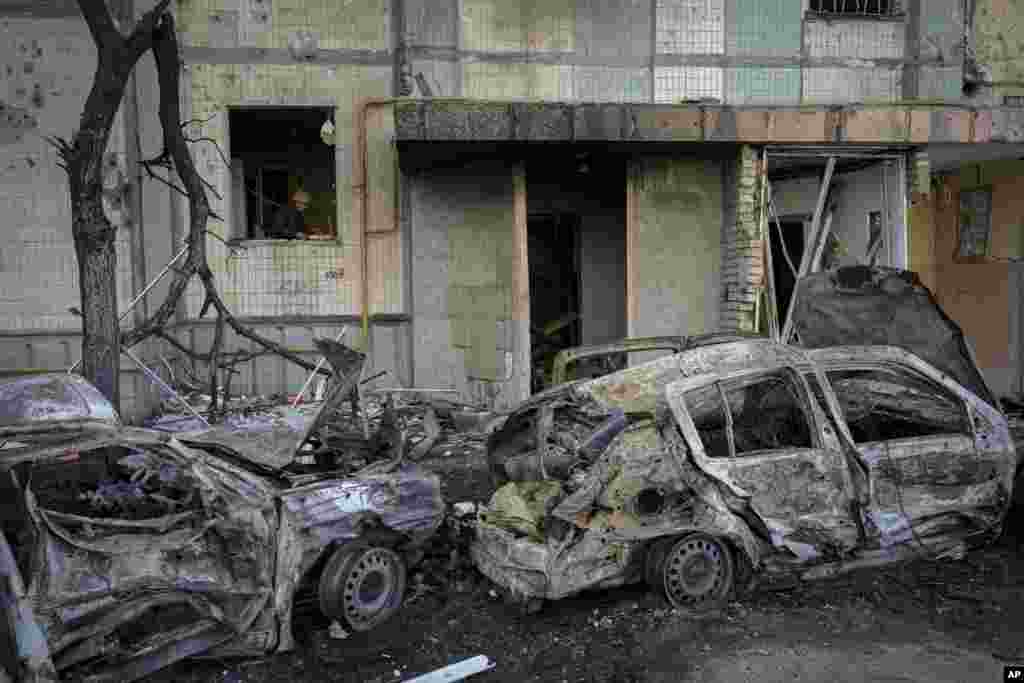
742 260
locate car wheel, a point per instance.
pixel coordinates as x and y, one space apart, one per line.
695 572
362 586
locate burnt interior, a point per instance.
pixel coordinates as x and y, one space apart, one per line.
114 482
578 435
879 405
766 414
554 258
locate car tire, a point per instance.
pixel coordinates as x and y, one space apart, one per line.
362 586
695 572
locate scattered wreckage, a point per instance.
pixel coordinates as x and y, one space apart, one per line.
125 550
874 441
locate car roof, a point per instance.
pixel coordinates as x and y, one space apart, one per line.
42 403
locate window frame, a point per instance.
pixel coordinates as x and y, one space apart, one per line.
985 253
892 11
239 235
942 391
721 386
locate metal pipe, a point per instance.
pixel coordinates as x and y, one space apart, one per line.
778 229
809 255
320 364
364 216
141 294
153 283
163 385
771 303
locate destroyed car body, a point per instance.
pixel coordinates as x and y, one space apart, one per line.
603 359
132 548
701 471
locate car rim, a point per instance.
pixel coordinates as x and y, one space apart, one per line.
371 587
697 572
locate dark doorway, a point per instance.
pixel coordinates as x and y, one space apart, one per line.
785 280
553 243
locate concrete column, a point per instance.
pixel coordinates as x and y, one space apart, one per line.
632 233
520 287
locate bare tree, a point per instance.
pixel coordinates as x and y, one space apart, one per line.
94 235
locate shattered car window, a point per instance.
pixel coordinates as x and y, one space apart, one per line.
708 413
764 414
879 405
767 415
114 482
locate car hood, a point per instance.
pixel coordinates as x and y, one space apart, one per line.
47 404
272 440
861 305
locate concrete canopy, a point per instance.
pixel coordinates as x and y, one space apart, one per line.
453 120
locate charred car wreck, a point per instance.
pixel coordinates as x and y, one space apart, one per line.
127 549
702 470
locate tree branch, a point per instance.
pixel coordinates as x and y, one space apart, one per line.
213 142
176 155
141 38
218 340
101 24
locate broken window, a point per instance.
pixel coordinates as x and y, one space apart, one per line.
114 482
975 222
879 405
282 174
756 415
872 8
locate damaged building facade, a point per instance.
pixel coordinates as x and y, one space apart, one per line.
490 182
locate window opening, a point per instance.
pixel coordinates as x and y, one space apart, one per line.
975 222
879 405
283 174
765 414
869 8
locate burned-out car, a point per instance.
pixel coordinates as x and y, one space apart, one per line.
701 471
596 360
128 549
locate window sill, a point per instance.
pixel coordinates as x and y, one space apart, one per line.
830 17
243 243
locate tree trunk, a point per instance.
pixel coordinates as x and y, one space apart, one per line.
101 334
85 159
93 233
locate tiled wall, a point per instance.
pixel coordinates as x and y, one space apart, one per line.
306 278
46 68
353 24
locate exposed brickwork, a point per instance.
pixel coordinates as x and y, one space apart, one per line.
742 260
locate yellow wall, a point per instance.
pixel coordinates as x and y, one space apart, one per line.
675 273
999 38
301 278
979 296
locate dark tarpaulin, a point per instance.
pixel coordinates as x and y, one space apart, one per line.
861 305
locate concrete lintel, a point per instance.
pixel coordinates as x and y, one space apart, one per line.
258 55
466 120
262 55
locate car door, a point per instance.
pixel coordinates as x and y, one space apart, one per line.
936 457
761 433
